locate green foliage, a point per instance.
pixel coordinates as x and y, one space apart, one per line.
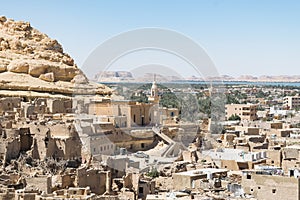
153 173
234 117
261 94
260 108
205 105
189 108
231 99
270 98
216 127
146 86
141 97
236 97
200 95
169 100
240 95
297 125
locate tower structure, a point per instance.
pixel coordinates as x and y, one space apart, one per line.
154 98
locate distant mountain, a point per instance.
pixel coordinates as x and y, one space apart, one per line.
125 76
263 78
113 76
269 78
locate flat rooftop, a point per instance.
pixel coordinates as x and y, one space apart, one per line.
198 172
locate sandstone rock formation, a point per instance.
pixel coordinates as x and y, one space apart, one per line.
31 61
47 77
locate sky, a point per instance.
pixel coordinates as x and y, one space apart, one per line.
242 37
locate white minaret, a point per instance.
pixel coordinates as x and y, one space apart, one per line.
154 100
154 92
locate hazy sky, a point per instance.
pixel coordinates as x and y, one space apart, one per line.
255 37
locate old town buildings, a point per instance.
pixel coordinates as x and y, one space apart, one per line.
123 149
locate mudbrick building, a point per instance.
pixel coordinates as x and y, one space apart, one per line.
64 137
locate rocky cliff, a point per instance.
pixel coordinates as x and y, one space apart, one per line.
31 61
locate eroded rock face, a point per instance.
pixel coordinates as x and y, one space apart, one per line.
79 79
3 66
47 77
2 19
18 66
31 61
37 69
24 49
